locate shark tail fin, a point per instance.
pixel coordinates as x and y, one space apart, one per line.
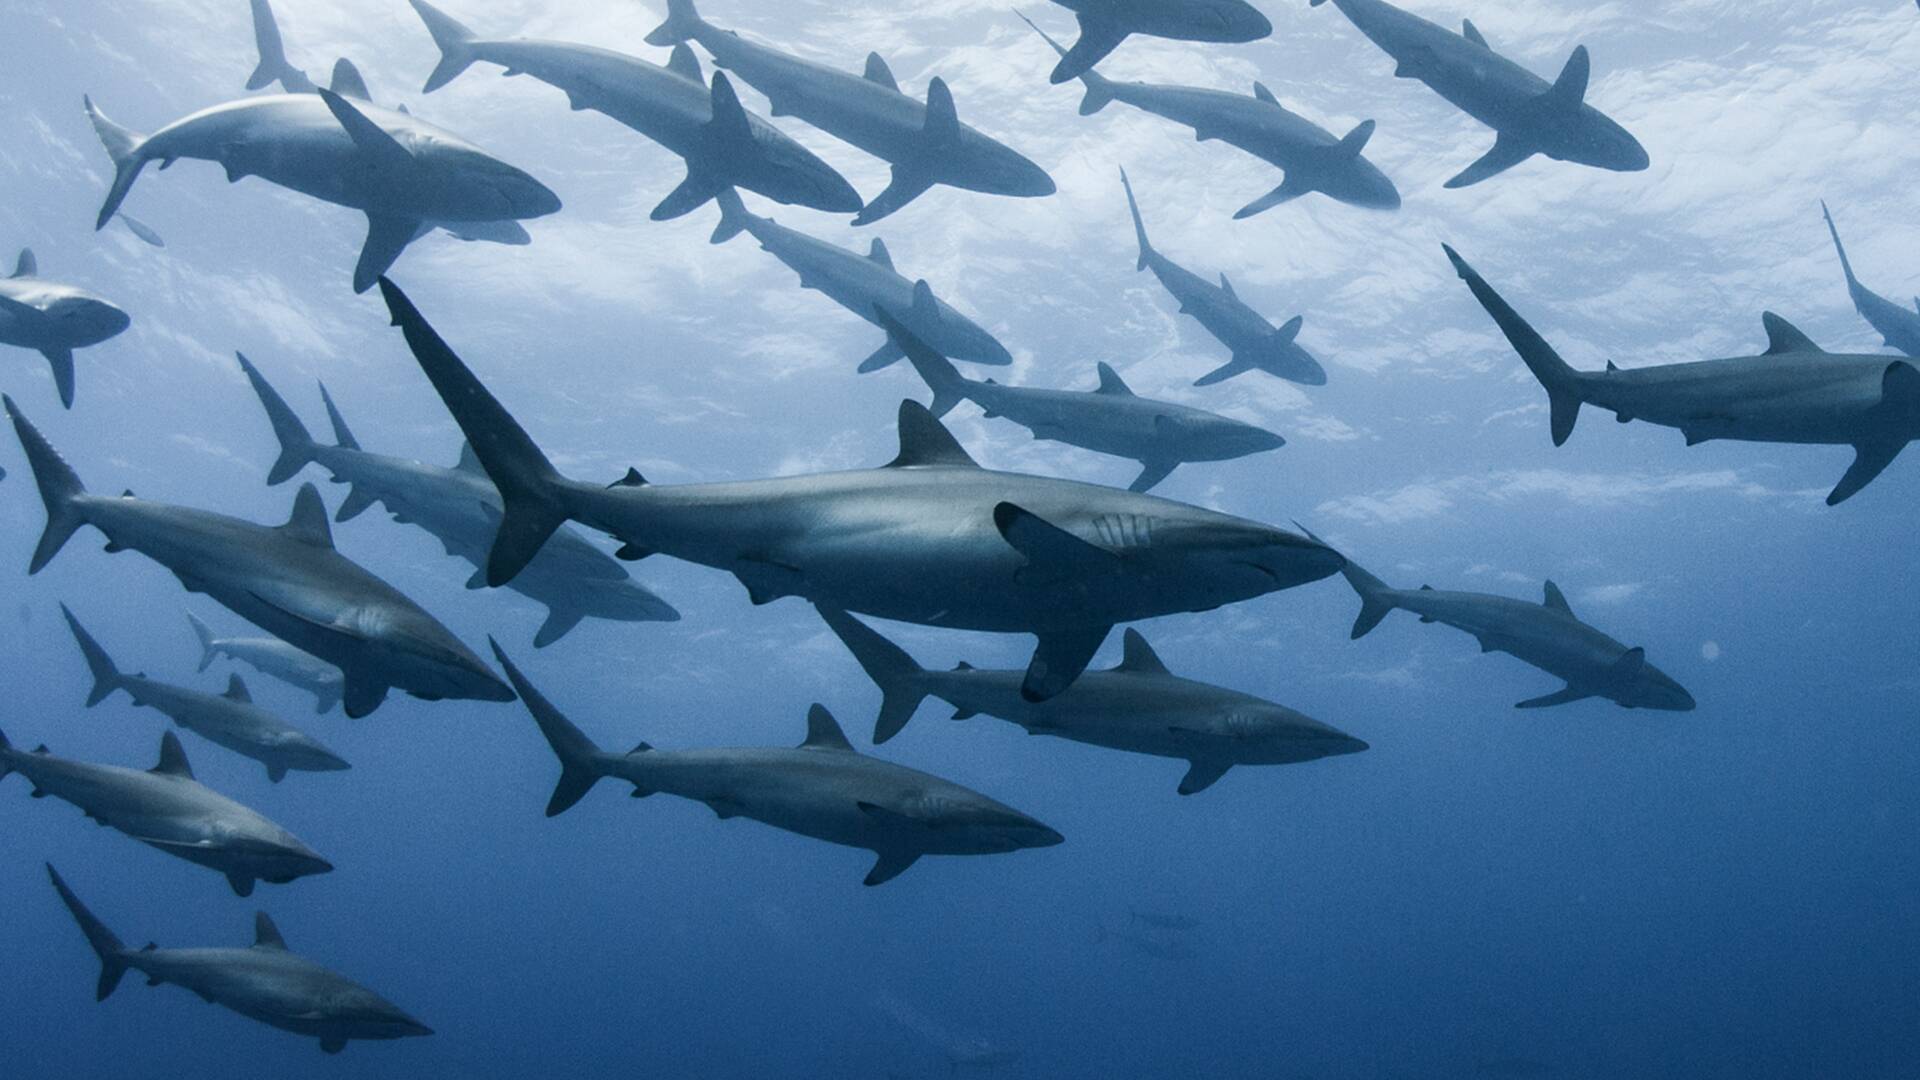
1846 265
112 953
683 22
1561 382
106 677
1376 596
453 38
579 757
532 493
896 674
1099 93
733 216
948 385
1139 226
273 66
124 147
208 651
60 488
296 443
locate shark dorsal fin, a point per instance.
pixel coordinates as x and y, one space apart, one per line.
1631 663
926 441
26 265
632 478
342 435
1611 366
1570 89
729 116
879 72
1227 286
173 759
877 251
237 689
1137 656
469 461
308 524
963 666
265 934
1556 600
1426 588
684 64
348 82
1111 382
1784 337
943 120
1472 33
1260 91
925 308
823 731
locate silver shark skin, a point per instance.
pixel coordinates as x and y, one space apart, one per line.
1255 343
231 719
273 657
1104 24
1110 420
931 538
54 319
723 144
823 789
1898 327
1547 635
1314 159
166 808
1138 706
1528 115
401 171
1795 392
266 983
461 509
288 581
862 285
926 144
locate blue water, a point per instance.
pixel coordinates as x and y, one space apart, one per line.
1580 892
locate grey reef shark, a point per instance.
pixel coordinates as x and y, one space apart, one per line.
1104 24
459 507
926 144
1137 706
288 580
1528 115
823 789
1794 392
930 538
722 143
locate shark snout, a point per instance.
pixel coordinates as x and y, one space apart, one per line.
89 322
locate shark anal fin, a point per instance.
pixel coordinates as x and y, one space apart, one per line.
1505 154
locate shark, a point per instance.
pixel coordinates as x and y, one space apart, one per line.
1104 24
54 319
274 657
1898 327
931 538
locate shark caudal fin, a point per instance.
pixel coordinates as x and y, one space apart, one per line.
208 649
106 677
273 66
124 147
533 494
1376 596
359 498
948 385
106 946
1561 382
579 757
899 678
60 488
1139 226
1099 87
733 216
453 38
1846 265
683 22
296 443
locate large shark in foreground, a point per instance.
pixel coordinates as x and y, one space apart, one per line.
1104 24
54 319
1138 706
166 808
1547 635
276 658
926 144
288 581
723 144
266 983
863 285
401 171
931 538
460 507
1795 392
1528 115
1898 327
823 789
1110 420
1255 343
1314 159
231 719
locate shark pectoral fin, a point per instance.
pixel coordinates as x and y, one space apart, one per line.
1050 550
1151 473
890 865
333 1044
1098 37
767 580
559 621
1414 65
276 773
355 504
693 193
242 885
478 579
1506 153
369 138
964 714
722 807
1228 370
910 181
61 361
886 354
387 237
1201 775
1561 697
362 695
1870 459
1059 658
1292 186
1570 89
